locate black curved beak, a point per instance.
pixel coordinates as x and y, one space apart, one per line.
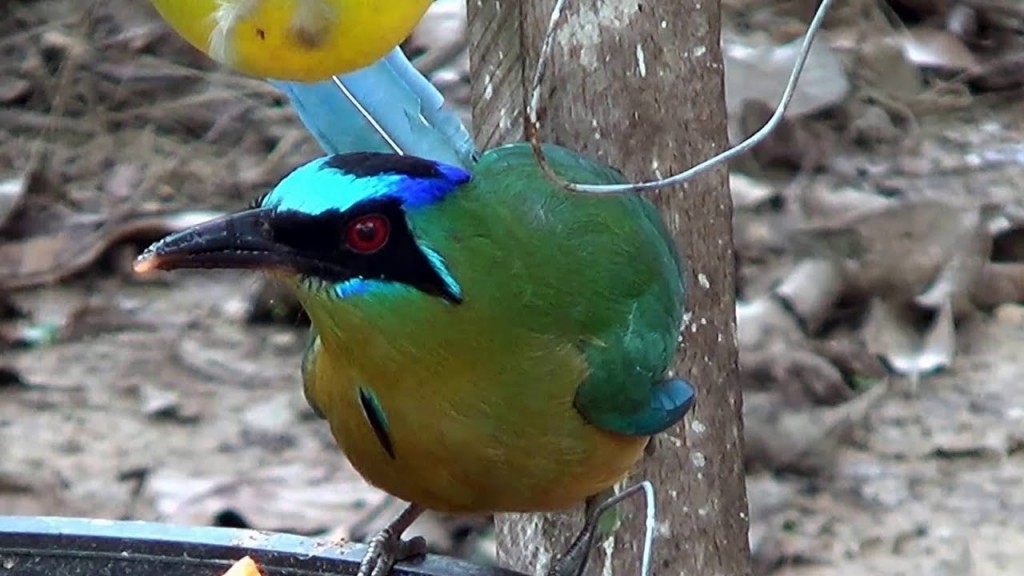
244 241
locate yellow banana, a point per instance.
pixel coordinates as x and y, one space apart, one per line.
297 40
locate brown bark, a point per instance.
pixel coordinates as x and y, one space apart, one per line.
639 84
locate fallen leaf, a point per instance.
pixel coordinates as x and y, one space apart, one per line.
38 260
871 125
954 281
993 30
824 204
167 405
1003 73
290 498
930 47
795 144
849 354
883 68
748 192
1000 283
928 248
12 193
14 89
798 375
1010 314
758 71
762 321
912 342
810 290
801 441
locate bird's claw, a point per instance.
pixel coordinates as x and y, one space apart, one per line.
385 549
569 564
574 561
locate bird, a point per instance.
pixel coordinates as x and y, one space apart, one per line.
482 340
293 40
390 107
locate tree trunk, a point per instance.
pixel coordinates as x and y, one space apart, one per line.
639 84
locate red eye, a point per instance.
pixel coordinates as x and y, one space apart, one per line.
368 234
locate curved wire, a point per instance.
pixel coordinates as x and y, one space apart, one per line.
533 123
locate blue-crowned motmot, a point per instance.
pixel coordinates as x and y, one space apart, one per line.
482 341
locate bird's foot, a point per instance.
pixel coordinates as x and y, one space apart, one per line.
574 561
387 546
386 549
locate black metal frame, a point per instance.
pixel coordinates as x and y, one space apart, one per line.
56 546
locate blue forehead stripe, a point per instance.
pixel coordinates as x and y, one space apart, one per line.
316 187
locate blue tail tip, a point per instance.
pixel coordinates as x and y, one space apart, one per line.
677 397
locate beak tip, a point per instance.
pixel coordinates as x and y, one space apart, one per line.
145 263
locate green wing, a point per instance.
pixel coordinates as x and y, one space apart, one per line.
624 302
598 272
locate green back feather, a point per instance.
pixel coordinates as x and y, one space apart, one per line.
600 272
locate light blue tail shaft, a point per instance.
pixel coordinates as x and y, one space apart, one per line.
406 107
